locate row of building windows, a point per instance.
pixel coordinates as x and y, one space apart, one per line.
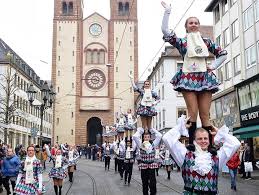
23 85
225 6
160 118
251 14
17 120
158 75
95 56
250 61
24 105
229 35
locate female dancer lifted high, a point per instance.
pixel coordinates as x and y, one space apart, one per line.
194 80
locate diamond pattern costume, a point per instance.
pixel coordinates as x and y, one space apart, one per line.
24 188
193 81
59 173
186 160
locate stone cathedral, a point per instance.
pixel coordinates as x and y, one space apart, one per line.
91 60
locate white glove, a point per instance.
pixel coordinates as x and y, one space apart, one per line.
218 61
167 7
181 121
165 30
219 137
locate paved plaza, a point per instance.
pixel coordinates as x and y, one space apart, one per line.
90 178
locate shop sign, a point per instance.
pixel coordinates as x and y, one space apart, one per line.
250 116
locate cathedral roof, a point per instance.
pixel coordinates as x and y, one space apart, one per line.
96 13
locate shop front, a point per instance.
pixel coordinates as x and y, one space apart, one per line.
224 110
248 98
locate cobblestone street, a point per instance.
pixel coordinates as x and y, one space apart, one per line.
91 178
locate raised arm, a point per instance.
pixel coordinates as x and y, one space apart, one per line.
230 145
158 137
137 136
135 87
176 148
164 27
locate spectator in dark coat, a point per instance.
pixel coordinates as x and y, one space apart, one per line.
247 158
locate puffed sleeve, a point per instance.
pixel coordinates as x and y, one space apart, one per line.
176 148
230 145
178 43
213 47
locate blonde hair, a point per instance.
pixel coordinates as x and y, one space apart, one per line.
186 22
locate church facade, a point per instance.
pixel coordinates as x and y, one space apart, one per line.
91 60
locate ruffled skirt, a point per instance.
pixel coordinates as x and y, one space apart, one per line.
197 81
58 173
146 110
23 189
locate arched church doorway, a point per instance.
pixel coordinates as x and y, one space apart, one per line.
94 131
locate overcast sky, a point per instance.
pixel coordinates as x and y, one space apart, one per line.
26 26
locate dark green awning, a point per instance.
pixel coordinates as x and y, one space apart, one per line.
247 132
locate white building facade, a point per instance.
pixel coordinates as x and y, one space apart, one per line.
22 117
236 28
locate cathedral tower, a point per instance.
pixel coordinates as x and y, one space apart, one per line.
66 62
124 50
92 58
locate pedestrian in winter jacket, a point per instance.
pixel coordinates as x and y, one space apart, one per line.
10 169
233 164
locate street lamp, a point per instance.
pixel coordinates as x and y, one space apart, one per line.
47 97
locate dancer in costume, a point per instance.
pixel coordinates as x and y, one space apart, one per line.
116 152
146 109
167 161
72 160
158 158
200 168
29 180
194 80
58 171
120 151
147 155
129 148
107 147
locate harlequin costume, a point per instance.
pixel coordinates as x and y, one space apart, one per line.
29 180
195 75
72 157
128 146
158 158
148 99
116 153
167 161
148 163
200 168
107 147
58 172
